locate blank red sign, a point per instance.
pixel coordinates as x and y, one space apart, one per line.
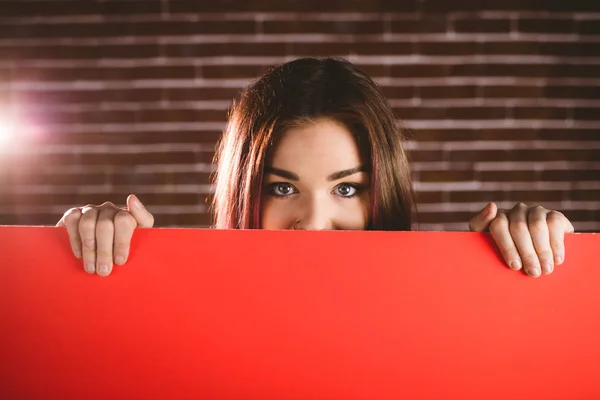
205 314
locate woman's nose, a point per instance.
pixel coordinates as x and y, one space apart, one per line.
315 215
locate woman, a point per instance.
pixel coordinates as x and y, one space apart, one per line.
312 144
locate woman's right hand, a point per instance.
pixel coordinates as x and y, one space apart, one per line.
101 234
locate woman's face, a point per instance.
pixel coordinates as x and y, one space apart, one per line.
315 179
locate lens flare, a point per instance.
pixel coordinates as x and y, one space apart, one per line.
7 131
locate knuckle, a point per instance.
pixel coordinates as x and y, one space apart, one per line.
545 254
89 244
87 225
89 252
519 228
88 208
108 204
555 216
104 254
497 224
520 206
530 259
124 219
104 226
72 216
537 226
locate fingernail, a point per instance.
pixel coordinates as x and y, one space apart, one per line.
103 270
77 253
547 266
516 264
90 268
119 260
535 271
559 259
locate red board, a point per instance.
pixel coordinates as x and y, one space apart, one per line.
302 315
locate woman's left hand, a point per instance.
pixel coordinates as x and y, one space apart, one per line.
531 238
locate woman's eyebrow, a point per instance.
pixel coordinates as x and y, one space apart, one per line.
347 172
282 172
333 177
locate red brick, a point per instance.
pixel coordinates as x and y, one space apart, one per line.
184 28
509 48
482 25
572 92
429 197
181 115
104 73
572 175
584 195
323 27
513 91
79 52
128 137
421 23
447 175
446 48
224 49
425 155
67 30
476 196
526 70
201 93
228 71
344 49
509 176
577 49
525 155
535 197
509 5
540 113
192 6
399 92
543 25
447 92
588 26
160 178
445 217
421 70
587 113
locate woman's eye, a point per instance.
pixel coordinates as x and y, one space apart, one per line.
282 189
346 190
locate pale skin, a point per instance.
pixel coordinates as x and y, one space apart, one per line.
314 181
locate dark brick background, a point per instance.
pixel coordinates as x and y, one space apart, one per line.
115 97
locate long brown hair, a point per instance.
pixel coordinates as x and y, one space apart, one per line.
294 93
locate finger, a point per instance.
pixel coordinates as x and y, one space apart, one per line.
71 221
519 230
143 218
499 229
558 225
105 234
540 235
87 232
481 221
125 224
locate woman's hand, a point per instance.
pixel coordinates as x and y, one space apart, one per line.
102 234
531 238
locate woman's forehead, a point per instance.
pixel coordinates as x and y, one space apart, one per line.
318 149
323 137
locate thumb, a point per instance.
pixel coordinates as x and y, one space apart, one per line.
481 221
142 216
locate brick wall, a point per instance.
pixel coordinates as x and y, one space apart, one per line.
113 97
